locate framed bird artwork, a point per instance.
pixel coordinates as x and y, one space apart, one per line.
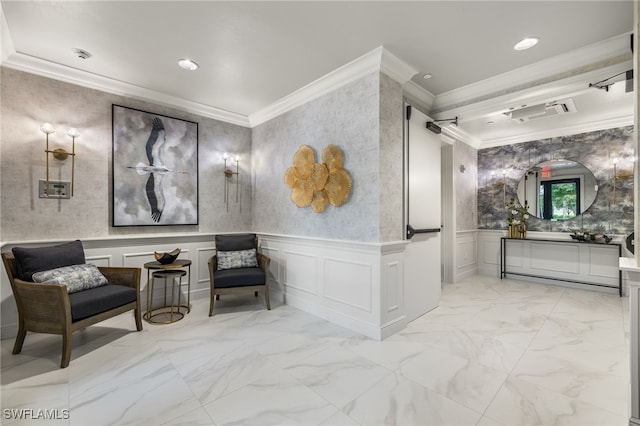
155 169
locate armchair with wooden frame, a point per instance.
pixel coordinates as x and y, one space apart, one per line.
49 308
238 268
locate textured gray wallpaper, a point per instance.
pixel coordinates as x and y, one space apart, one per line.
595 150
391 167
350 118
29 100
465 160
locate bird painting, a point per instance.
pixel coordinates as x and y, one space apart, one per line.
155 169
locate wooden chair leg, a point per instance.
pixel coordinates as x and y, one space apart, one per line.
266 297
211 301
22 332
136 314
66 349
217 297
255 293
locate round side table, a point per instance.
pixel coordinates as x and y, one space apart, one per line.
170 271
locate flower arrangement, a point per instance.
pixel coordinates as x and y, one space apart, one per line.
517 218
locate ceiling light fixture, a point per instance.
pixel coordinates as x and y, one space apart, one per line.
81 53
427 76
526 43
188 64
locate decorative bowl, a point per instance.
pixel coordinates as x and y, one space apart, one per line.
598 237
168 257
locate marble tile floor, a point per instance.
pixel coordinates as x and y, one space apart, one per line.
493 353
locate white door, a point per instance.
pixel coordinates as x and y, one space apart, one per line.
423 213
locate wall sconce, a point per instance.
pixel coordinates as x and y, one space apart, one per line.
59 154
228 175
499 184
622 175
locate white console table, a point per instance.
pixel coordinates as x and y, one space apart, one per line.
573 261
629 265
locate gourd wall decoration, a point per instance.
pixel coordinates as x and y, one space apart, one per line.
318 184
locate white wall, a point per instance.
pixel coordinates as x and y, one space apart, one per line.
28 100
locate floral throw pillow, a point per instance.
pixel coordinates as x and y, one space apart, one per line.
237 259
75 277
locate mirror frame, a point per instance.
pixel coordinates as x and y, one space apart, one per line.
586 197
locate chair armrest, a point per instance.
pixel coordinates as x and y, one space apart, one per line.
213 266
263 262
213 263
128 277
44 304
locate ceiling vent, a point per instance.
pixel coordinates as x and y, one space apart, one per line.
545 110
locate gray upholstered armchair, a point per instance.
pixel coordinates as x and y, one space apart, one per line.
237 267
57 293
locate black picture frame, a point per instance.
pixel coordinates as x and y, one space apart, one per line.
155 169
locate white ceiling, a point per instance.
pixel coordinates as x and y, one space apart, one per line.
252 54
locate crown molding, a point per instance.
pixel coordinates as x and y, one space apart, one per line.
377 60
30 64
550 91
364 65
560 131
418 95
395 67
462 136
6 42
615 49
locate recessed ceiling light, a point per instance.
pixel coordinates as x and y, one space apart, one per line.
427 76
188 64
526 43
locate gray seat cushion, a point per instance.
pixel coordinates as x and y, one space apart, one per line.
87 303
241 277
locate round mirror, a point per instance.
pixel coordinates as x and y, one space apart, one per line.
557 190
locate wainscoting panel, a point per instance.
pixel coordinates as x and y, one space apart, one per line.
517 254
393 285
201 275
301 271
348 283
105 260
563 258
603 262
489 252
360 286
393 278
273 254
356 285
466 255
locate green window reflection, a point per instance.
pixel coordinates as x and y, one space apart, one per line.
559 199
